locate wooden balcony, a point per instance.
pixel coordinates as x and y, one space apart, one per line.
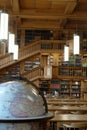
38 47
74 72
34 74
31 50
39 73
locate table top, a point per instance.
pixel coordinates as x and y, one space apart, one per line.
69 118
65 99
66 103
67 108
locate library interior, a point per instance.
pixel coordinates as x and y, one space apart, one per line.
43 64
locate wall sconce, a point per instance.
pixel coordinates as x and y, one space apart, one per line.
11 42
76 44
66 53
3 26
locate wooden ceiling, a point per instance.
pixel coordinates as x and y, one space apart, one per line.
61 15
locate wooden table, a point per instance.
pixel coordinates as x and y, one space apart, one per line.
67 108
69 118
64 100
63 118
66 103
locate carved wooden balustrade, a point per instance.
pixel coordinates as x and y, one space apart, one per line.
39 73
35 73
39 47
32 49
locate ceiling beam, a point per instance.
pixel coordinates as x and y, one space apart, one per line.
49 16
15 6
52 25
74 17
63 22
40 24
70 7
62 0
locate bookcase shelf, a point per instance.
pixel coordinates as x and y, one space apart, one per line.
72 71
65 88
76 89
70 88
50 86
44 85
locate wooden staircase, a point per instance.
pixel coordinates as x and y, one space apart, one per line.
26 52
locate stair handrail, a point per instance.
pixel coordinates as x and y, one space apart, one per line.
32 49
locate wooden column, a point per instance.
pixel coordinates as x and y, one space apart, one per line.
22 67
55 35
22 42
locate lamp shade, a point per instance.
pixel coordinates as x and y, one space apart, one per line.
15 56
66 53
3 26
11 43
76 44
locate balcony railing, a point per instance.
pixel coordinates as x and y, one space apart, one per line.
32 49
58 72
74 72
34 74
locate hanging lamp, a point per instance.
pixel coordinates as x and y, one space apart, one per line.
76 44
15 53
4 17
66 53
3 26
11 42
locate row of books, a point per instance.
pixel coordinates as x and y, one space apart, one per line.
72 72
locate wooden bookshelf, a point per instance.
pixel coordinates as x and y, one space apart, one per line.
64 88
75 91
44 85
70 88
72 72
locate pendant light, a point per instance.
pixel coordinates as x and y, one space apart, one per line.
66 53
12 47
4 24
15 52
11 42
76 44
